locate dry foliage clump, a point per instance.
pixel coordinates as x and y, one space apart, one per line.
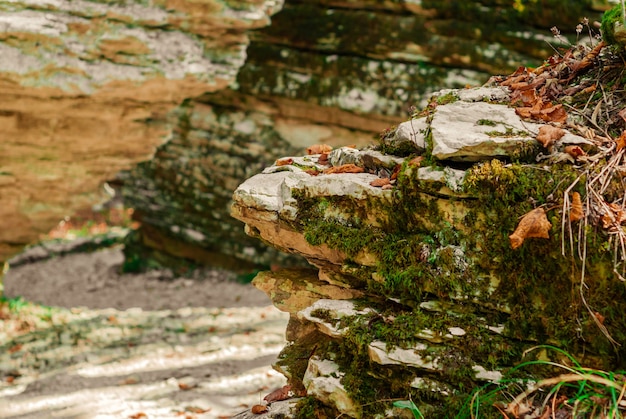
582 89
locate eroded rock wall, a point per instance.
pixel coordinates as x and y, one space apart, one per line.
86 87
335 72
427 286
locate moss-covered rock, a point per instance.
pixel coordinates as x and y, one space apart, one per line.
448 303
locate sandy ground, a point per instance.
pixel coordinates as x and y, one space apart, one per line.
136 346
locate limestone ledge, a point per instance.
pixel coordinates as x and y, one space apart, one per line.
417 285
87 87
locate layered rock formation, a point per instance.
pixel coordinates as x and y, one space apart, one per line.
422 289
85 89
335 72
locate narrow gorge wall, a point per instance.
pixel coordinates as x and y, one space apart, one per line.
334 72
86 87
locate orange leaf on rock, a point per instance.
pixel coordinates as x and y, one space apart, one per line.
323 159
284 162
548 135
554 113
282 393
318 149
344 168
533 224
257 409
576 211
575 151
382 181
416 161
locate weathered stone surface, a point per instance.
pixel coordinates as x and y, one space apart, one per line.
316 76
293 291
443 291
380 354
478 131
322 380
85 90
326 313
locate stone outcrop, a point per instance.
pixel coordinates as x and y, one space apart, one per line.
334 72
420 290
86 87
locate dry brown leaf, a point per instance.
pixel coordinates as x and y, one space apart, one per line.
575 151
576 211
318 149
618 216
621 141
396 171
344 168
554 113
416 161
257 409
382 181
312 172
323 158
139 415
548 135
533 224
283 162
622 113
282 393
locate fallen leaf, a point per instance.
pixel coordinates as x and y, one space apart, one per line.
381 181
416 161
344 168
283 162
323 158
548 135
318 149
617 216
312 172
9 379
282 393
257 409
575 151
576 210
533 224
554 113
139 415
621 141
622 113
186 387
396 172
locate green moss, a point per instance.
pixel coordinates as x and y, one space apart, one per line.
457 252
612 27
487 122
449 97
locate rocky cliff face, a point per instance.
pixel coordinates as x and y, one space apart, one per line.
334 72
85 89
445 256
